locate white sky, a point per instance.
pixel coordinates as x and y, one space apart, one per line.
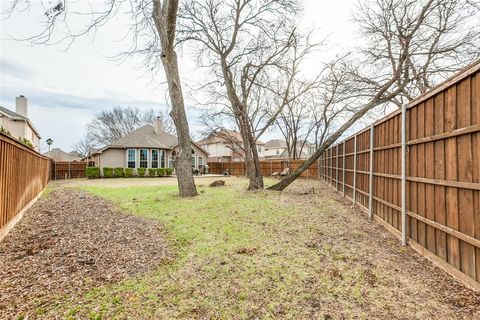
66 88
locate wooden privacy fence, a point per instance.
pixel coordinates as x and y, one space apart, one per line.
24 173
268 167
424 181
68 170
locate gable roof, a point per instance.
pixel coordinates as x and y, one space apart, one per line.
15 116
224 136
276 143
60 155
145 137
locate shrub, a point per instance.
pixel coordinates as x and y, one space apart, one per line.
152 172
141 172
5 131
118 172
169 171
128 172
162 172
92 172
107 172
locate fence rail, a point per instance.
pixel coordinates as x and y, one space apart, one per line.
268 167
68 170
24 173
424 180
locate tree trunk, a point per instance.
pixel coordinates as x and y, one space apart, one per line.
252 163
183 162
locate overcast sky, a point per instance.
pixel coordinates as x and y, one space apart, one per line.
66 88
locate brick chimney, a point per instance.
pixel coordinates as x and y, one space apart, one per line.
21 106
158 125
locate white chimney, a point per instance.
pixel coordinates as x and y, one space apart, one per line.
158 125
21 106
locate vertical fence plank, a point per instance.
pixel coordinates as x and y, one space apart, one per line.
370 177
336 172
354 170
404 176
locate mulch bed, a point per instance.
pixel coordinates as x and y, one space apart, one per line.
72 241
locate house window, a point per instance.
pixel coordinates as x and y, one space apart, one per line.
259 149
277 151
154 158
193 161
143 158
170 162
200 161
162 159
132 155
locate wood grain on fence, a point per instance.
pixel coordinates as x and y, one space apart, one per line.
269 167
442 173
24 173
68 170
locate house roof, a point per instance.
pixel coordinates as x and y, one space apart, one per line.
276 143
15 116
59 155
145 137
224 136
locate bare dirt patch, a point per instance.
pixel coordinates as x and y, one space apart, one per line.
68 242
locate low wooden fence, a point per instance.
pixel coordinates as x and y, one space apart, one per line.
68 170
24 173
268 167
424 180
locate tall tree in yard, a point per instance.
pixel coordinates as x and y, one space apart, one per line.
154 25
409 47
251 47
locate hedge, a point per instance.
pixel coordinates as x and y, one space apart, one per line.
141 172
162 172
92 172
169 171
118 172
128 172
152 172
107 172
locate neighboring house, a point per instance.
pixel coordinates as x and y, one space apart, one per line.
226 146
277 149
146 147
18 124
58 154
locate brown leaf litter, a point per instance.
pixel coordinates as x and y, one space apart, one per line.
72 241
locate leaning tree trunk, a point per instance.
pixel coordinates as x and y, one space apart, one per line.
183 163
285 182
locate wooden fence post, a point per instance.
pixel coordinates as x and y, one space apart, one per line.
343 169
370 182
336 173
354 169
404 177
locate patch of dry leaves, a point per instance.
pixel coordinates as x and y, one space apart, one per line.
71 241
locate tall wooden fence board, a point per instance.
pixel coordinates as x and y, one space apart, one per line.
442 172
24 173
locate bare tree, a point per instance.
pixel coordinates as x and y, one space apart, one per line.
84 146
152 33
250 46
409 46
110 125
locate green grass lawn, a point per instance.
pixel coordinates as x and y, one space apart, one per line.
237 254
260 255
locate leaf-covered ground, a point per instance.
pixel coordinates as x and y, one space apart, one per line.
300 254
